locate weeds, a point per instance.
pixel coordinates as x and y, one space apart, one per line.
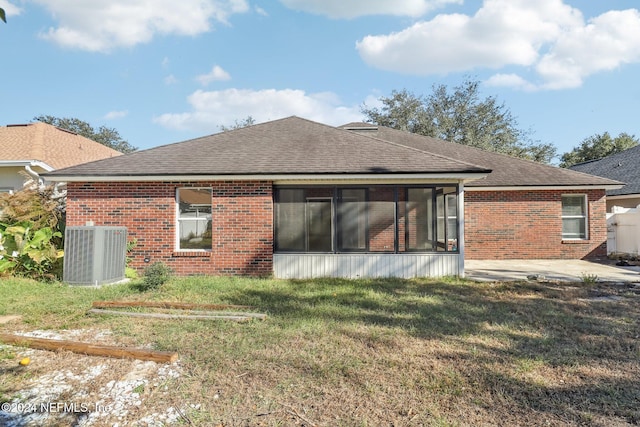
589 278
377 352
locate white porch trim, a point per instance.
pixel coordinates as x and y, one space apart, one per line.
354 266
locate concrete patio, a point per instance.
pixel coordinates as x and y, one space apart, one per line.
561 270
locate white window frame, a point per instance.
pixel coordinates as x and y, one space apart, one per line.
179 219
585 202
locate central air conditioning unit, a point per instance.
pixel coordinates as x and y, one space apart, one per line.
94 255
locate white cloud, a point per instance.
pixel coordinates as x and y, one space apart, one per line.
10 9
510 80
261 11
211 109
216 74
102 25
170 80
341 9
112 115
546 36
605 43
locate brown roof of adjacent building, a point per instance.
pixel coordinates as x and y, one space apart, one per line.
507 171
56 147
287 146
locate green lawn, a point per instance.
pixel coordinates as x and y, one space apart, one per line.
379 352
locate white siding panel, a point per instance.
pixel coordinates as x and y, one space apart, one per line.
302 266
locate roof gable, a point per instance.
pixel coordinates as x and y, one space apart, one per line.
623 166
287 146
507 171
56 147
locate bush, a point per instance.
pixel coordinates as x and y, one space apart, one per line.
25 251
156 275
31 233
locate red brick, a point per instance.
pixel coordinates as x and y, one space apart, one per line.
528 225
242 223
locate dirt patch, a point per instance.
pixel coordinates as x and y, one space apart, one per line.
10 318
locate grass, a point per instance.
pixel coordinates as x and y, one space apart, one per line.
379 352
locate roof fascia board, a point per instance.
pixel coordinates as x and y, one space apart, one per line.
32 163
624 196
545 187
465 176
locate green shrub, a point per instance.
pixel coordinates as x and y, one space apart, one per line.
31 233
29 252
156 275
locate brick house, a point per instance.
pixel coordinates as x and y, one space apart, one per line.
295 198
27 150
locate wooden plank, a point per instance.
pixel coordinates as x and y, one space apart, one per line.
260 316
89 349
168 304
242 318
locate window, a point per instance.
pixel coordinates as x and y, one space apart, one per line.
574 217
194 218
372 219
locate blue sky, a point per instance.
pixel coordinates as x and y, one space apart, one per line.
166 71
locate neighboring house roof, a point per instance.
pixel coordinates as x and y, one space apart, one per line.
55 147
623 166
290 146
507 171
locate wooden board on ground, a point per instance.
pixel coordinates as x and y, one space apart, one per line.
169 304
89 349
235 318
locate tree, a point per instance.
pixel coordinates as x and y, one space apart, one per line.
103 135
249 121
459 116
3 16
598 146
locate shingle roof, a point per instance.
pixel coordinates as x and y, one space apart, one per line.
287 146
293 146
507 171
623 166
56 147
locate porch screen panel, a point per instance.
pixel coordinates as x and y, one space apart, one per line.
420 219
446 207
382 219
352 219
290 220
372 219
319 219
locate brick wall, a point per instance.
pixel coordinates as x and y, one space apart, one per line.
499 225
242 225
528 225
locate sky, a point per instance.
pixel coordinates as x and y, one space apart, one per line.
164 71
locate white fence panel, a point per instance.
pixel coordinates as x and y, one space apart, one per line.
623 231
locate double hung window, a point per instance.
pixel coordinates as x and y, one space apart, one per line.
574 217
194 218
